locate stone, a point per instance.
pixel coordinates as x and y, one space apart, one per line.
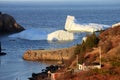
9 25
49 55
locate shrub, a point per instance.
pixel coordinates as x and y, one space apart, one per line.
91 41
103 59
103 71
115 63
115 60
77 49
81 60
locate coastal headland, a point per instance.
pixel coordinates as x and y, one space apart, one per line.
49 55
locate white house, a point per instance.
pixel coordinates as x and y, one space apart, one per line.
87 67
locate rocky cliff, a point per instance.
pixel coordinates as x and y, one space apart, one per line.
9 25
110 57
57 54
110 39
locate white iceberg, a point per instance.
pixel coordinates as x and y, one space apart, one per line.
60 35
115 25
72 25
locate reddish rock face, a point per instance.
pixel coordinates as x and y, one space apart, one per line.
110 38
9 25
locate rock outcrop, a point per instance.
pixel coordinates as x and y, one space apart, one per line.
110 39
109 45
1 53
9 25
57 54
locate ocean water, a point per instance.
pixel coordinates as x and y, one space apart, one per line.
45 18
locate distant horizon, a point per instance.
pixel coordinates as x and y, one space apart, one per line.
58 2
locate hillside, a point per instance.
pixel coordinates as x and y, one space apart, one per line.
106 44
109 46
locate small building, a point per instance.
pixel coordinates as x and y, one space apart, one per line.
60 75
82 67
89 66
55 76
94 65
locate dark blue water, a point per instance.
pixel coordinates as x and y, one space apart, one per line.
45 18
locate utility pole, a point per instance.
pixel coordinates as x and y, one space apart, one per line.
100 55
77 59
62 60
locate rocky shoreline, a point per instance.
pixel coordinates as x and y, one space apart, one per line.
45 74
49 55
1 53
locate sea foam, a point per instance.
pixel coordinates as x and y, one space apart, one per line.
31 34
36 34
60 35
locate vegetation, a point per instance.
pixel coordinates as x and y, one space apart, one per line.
115 61
103 71
110 53
91 41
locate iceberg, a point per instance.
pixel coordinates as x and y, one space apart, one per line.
72 25
115 25
60 35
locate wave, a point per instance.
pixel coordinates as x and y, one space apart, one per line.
31 34
36 34
60 35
